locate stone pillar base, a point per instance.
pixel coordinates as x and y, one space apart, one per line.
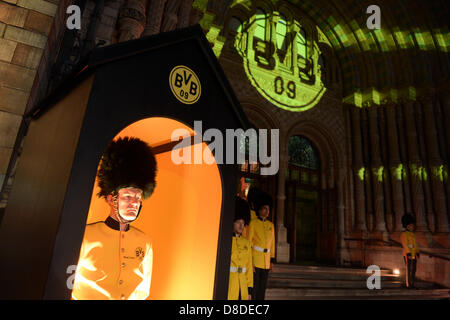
282 247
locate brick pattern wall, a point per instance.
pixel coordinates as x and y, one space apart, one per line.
24 29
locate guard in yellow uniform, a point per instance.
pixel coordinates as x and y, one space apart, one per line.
262 238
115 258
251 196
241 271
410 249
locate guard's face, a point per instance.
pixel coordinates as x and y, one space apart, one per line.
129 203
264 211
238 226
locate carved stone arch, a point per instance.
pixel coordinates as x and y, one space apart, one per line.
331 66
237 13
260 116
286 10
266 5
368 64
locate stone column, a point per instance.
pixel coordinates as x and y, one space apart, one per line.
425 169
340 215
446 110
403 142
377 170
396 167
155 11
415 163
386 175
358 164
435 161
132 20
170 18
184 14
365 173
282 247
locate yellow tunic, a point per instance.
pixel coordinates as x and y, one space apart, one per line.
241 257
253 215
262 237
409 244
113 264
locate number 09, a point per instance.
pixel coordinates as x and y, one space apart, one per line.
184 94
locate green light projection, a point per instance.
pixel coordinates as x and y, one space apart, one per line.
277 63
276 48
419 171
400 172
361 173
440 172
379 173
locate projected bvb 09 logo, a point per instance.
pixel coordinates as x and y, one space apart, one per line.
283 66
185 84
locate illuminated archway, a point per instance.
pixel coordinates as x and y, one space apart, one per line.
181 220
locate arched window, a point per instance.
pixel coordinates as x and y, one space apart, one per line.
235 25
248 145
281 31
302 153
260 28
301 43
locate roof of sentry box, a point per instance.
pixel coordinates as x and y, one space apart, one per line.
110 54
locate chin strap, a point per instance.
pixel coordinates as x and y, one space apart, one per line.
116 210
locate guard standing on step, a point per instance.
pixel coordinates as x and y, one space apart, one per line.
410 249
241 272
262 238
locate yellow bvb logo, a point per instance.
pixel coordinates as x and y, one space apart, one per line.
280 65
185 84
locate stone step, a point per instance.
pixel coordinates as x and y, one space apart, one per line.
331 276
279 282
337 273
341 293
287 268
291 282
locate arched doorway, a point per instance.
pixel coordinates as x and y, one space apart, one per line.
303 200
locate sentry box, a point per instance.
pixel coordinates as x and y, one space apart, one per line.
145 88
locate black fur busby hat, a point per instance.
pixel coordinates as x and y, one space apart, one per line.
241 210
127 162
408 219
262 199
252 195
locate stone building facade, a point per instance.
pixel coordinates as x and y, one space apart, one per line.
373 104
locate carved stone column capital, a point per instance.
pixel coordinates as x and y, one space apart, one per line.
132 19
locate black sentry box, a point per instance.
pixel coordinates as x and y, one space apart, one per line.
42 229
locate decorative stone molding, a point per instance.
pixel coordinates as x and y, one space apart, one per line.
132 20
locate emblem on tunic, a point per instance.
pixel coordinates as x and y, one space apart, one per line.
140 253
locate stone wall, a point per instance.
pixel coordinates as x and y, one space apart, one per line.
25 26
429 268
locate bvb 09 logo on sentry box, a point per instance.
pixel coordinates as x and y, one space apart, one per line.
185 84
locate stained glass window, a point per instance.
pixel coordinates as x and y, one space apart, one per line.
260 29
302 153
301 43
281 31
